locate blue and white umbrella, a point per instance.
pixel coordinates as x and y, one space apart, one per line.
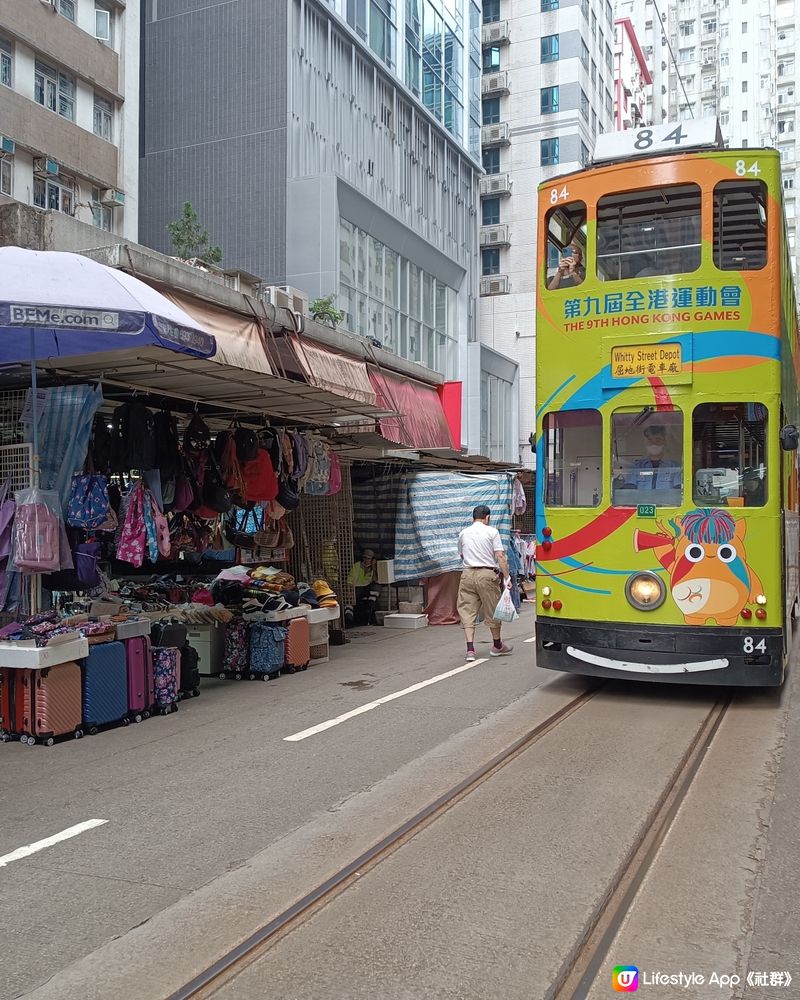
72 305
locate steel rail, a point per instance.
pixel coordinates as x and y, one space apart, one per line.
234 960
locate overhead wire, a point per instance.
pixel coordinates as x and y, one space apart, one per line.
665 34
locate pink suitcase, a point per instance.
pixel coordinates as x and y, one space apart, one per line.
298 649
141 686
50 703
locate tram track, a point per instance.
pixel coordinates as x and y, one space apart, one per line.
236 959
588 953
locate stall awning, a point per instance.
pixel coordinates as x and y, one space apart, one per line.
327 370
420 422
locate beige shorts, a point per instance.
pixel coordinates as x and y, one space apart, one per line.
478 592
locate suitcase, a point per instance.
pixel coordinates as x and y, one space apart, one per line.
170 634
6 688
298 645
236 654
141 691
105 686
189 683
45 703
267 651
165 673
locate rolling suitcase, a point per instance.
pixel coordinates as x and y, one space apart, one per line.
189 683
6 688
236 654
169 634
141 691
105 686
298 645
267 651
47 703
165 672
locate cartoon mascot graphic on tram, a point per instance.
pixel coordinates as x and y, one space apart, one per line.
707 564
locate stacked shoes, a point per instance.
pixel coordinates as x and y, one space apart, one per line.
326 597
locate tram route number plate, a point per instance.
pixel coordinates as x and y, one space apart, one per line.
646 510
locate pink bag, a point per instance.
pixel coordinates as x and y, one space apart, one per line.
36 532
132 539
7 509
335 475
162 530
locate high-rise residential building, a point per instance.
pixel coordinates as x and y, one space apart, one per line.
69 109
650 25
733 59
333 147
548 90
633 80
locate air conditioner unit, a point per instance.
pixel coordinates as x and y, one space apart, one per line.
43 166
112 198
494 285
7 146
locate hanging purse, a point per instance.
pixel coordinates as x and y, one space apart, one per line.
235 529
7 509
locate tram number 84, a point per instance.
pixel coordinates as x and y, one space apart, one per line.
750 646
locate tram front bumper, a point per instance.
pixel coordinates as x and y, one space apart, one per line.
667 653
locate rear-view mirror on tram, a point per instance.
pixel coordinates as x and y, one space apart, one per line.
790 437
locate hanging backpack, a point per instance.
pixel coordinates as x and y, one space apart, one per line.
335 477
316 484
196 438
300 454
37 532
168 447
271 441
260 481
247 444
134 440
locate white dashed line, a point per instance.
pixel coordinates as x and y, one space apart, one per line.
40 845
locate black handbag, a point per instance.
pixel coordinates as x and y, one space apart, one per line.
235 528
288 494
216 495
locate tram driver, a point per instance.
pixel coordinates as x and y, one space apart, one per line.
654 471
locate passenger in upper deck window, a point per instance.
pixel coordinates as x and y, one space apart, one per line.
570 271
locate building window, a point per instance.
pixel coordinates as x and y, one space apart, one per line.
609 104
609 60
584 105
584 155
491 110
549 148
54 91
549 100
594 24
549 48
549 5
609 13
58 196
382 30
710 26
490 208
104 118
744 116
491 161
686 29
593 74
491 59
66 8
724 90
788 183
744 27
724 118
6 63
585 55
744 57
7 176
491 11
585 8
102 215
490 262
744 86
103 22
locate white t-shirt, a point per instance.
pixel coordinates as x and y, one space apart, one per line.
478 544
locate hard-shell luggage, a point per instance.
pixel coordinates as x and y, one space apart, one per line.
6 689
45 703
105 685
236 655
165 671
298 645
189 681
141 689
171 634
267 650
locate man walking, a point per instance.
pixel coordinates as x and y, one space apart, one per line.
481 551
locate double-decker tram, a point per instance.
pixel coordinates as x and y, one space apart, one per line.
667 366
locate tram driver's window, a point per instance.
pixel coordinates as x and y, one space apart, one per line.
641 234
729 441
565 264
740 225
573 441
646 457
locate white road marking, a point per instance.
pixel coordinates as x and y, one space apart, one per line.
39 845
532 639
296 737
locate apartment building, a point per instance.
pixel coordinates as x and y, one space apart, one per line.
345 160
69 109
547 91
633 80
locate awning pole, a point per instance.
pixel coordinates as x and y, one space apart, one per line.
34 412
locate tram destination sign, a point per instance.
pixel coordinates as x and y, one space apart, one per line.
654 140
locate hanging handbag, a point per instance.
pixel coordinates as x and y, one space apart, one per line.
289 495
86 557
7 509
88 503
133 536
235 531
268 537
285 535
217 498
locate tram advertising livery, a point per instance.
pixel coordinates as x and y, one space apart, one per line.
667 367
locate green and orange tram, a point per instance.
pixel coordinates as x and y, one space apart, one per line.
667 366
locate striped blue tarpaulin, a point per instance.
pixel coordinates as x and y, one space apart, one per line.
433 508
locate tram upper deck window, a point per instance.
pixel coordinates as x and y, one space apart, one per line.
573 441
740 225
565 266
729 441
647 457
650 232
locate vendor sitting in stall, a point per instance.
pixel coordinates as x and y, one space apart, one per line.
363 579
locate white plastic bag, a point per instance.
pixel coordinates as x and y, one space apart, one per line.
505 610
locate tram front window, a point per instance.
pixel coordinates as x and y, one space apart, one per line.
729 442
566 246
647 456
648 233
573 441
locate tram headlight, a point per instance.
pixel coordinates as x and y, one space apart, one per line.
645 591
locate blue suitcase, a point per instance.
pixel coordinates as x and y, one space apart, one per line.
267 653
105 685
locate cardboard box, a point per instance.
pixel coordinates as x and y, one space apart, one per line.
405 621
385 571
410 607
